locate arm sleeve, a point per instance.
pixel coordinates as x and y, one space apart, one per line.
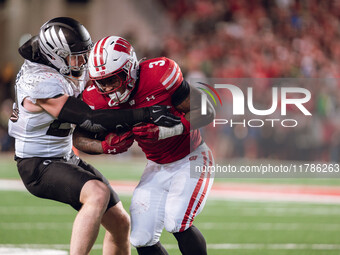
77 112
181 93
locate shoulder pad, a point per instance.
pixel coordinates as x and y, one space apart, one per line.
166 70
38 81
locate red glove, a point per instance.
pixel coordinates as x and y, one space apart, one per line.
114 144
151 133
148 133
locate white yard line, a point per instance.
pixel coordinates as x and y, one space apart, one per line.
12 185
27 251
35 225
259 226
224 192
33 210
220 246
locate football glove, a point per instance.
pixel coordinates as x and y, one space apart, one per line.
160 116
152 133
115 144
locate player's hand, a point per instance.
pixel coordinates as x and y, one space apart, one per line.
152 133
160 116
15 115
147 133
114 143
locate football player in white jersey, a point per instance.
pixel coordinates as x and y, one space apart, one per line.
52 76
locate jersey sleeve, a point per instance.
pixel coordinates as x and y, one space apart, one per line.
44 89
88 97
172 77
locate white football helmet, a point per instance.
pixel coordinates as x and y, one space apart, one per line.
113 66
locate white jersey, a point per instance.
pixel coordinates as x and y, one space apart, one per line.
39 134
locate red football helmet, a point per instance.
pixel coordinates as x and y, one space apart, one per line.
113 67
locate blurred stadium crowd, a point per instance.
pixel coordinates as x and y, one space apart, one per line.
253 39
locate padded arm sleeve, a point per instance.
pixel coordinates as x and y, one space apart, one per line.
77 112
181 93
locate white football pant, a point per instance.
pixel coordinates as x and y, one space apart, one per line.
170 196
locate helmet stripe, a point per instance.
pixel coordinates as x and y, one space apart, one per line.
44 49
64 41
49 39
95 61
43 42
56 40
123 46
98 56
101 52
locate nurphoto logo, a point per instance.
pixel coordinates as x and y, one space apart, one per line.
243 104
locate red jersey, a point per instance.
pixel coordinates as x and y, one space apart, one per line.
158 80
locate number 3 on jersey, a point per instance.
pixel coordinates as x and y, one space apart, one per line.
157 63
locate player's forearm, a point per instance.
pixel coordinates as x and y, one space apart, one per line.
77 112
86 144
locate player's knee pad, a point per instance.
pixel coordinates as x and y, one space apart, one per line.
171 224
142 238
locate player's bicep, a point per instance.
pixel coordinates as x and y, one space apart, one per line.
186 98
191 106
53 105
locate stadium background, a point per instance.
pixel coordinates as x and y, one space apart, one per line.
207 38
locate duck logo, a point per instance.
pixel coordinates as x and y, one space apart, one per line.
206 89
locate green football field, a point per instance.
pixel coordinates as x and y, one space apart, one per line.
230 226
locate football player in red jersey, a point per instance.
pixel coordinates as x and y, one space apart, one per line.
168 195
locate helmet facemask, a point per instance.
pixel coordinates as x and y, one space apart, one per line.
121 84
77 63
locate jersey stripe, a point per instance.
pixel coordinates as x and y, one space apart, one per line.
174 81
173 78
165 82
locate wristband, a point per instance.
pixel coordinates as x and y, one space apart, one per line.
165 132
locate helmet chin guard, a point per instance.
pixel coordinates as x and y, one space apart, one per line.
117 98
